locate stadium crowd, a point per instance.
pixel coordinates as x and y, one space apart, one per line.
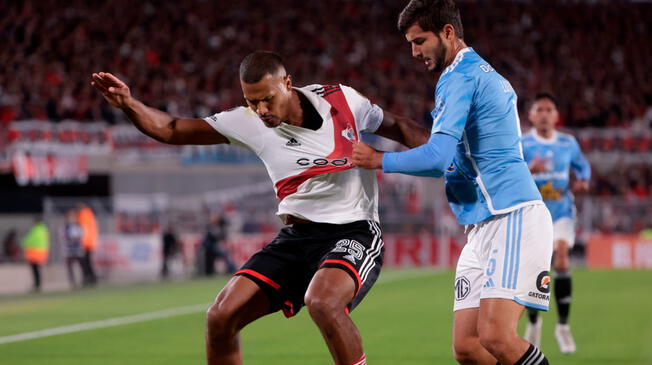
183 56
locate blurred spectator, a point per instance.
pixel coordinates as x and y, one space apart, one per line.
213 245
628 180
10 247
73 250
36 245
182 56
170 249
89 241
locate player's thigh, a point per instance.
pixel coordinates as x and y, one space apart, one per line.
498 316
332 285
520 257
465 328
240 302
355 251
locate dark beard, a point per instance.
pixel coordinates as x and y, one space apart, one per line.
441 59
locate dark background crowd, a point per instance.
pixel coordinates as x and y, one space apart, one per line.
182 56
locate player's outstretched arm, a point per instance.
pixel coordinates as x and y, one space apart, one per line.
430 159
153 122
402 130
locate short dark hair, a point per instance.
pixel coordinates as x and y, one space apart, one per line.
258 64
546 95
431 15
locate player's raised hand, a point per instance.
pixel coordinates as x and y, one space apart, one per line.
112 88
366 157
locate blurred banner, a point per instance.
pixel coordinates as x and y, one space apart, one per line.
129 254
141 254
614 251
129 144
63 137
48 169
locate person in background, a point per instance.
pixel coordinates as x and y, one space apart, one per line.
551 156
170 248
88 241
73 249
213 245
10 247
36 245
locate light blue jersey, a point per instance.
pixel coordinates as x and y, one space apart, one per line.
476 105
561 153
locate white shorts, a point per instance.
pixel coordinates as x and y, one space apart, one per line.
507 256
564 229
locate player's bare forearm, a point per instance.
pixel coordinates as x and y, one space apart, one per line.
153 122
403 130
167 129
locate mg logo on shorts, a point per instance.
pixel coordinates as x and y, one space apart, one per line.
543 282
462 288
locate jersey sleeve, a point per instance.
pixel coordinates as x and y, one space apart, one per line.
368 116
579 163
453 100
430 159
236 125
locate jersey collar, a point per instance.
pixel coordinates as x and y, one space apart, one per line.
458 58
542 139
323 107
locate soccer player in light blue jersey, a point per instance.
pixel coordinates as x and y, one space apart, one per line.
476 145
551 155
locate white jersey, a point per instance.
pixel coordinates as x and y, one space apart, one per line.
312 172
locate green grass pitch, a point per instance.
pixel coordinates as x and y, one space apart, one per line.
406 319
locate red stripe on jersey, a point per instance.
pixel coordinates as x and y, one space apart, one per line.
343 120
260 276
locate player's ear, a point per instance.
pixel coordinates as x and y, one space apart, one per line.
449 32
288 82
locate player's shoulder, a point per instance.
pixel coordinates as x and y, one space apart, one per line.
352 96
467 63
463 69
323 90
240 113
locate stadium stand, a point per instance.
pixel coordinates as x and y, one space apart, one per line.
183 57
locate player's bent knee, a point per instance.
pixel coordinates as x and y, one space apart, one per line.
465 351
495 342
221 319
321 307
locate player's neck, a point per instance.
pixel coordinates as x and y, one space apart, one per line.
296 113
546 133
458 45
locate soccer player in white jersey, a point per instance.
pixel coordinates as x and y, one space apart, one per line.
475 144
551 155
331 253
